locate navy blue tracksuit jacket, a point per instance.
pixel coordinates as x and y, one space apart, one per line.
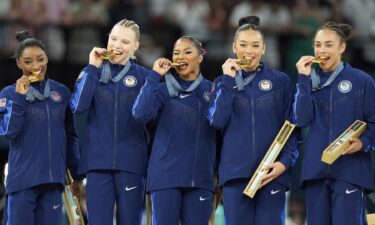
250 120
183 151
114 140
42 137
329 112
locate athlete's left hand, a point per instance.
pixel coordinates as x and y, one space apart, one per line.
276 169
355 146
77 189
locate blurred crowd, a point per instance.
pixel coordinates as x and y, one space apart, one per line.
71 28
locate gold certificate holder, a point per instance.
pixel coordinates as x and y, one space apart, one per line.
271 155
337 147
149 209
71 203
371 219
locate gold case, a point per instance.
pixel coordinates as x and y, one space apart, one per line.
71 203
271 155
371 219
337 147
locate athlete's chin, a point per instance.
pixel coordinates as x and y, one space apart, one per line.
120 60
327 67
184 73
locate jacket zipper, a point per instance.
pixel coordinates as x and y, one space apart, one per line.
196 144
49 142
115 129
330 124
252 123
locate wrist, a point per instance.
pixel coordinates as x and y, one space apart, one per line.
303 73
96 64
229 73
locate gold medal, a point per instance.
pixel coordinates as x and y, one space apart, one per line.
316 60
175 64
243 62
109 55
34 77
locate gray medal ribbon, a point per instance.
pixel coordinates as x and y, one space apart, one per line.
240 82
174 87
106 73
33 94
315 78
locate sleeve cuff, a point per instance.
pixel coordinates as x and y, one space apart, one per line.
154 76
305 83
93 70
304 79
366 146
228 81
285 161
20 99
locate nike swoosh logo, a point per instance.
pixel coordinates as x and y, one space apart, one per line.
56 206
184 96
202 199
350 191
130 188
275 192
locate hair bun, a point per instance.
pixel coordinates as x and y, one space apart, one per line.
23 35
252 20
346 29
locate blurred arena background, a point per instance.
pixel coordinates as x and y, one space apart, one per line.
71 28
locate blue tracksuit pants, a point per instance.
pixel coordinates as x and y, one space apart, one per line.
39 205
266 208
334 202
181 206
106 189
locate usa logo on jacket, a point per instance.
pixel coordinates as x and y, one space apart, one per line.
265 85
130 81
345 86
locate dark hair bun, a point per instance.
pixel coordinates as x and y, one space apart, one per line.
23 35
252 20
346 30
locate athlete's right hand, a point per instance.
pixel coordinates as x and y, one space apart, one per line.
304 65
230 67
162 66
22 85
94 58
